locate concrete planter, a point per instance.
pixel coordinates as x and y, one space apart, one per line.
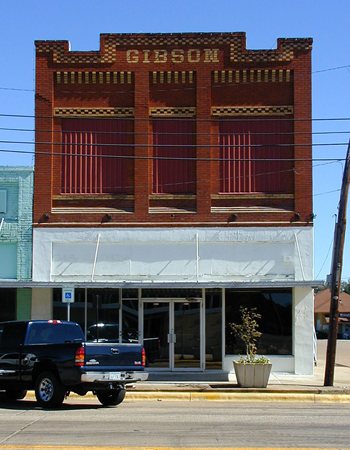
252 375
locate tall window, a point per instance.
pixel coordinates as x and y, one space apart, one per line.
95 156
255 156
7 304
174 166
275 307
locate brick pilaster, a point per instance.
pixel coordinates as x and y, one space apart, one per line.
43 133
143 166
203 141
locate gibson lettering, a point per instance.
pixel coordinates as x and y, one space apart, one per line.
176 56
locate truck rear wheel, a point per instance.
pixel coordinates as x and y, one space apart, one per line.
49 391
15 394
111 397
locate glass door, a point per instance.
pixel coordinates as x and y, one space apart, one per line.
156 321
172 334
187 331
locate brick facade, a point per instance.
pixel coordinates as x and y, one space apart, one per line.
206 77
16 227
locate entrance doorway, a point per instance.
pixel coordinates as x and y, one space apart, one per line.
172 330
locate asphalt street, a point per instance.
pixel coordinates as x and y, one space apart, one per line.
175 424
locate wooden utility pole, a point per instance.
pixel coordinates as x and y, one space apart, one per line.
337 263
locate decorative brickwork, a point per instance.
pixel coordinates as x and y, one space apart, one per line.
286 51
252 110
172 112
286 48
252 76
173 77
94 112
94 77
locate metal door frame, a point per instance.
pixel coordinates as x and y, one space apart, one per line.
171 344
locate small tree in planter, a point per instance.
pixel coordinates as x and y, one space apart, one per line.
251 370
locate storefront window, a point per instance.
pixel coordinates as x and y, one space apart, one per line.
130 315
102 311
275 307
77 309
7 304
103 314
213 324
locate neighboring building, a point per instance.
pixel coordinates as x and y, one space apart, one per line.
16 199
322 308
173 183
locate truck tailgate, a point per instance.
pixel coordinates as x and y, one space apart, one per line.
109 356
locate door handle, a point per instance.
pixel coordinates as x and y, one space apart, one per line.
171 338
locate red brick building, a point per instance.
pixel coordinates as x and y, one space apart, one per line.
164 165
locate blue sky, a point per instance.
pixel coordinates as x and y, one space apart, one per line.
81 22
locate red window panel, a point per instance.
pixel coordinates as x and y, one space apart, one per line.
174 140
256 156
94 156
235 163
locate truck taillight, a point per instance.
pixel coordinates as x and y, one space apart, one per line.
143 357
80 356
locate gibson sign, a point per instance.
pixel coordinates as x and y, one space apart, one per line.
176 56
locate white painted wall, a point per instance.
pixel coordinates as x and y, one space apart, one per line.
166 255
303 330
41 303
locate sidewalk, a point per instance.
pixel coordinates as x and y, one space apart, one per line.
281 387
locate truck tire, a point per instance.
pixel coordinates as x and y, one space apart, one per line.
15 394
49 391
111 397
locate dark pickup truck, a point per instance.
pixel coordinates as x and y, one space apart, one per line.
52 358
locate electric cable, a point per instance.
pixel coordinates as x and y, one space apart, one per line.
213 119
151 133
174 145
329 249
227 179
133 157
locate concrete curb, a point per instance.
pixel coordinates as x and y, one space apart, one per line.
240 396
307 397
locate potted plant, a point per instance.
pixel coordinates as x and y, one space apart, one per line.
251 370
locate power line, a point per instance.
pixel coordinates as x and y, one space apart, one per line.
170 158
172 145
187 119
144 185
327 192
329 249
331 68
151 133
16 89
275 172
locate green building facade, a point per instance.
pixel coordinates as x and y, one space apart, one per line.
16 200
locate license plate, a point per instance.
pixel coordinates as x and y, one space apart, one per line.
115 376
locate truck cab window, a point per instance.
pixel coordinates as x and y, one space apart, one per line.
12 334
